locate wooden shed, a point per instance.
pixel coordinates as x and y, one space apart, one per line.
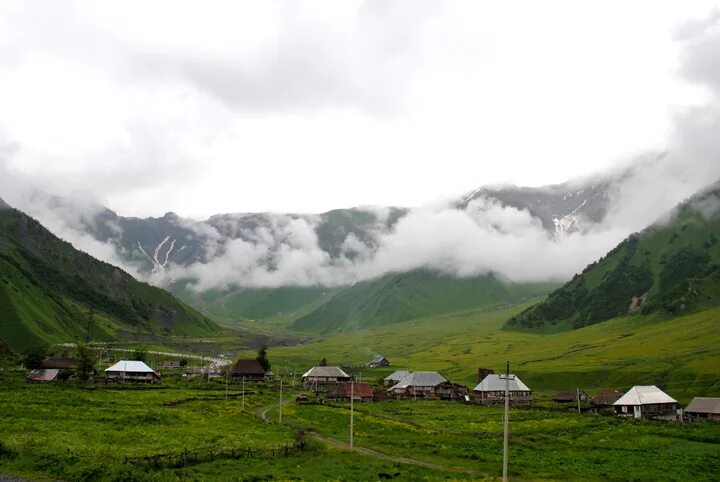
249 370
606 397
361 392
704 408
571 395
318 377
378 361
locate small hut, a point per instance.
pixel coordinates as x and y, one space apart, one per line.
361 392
42 375
704 408
492 390
318 377
59 363
378 361
132 371
571 395
647 402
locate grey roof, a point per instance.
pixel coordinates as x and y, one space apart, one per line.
130 366
397 376
644 395
704 405
378 359
420 379
326 372
494 383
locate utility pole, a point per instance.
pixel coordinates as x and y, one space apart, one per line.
506 433
578 398
243 393
280 410
352 407
227 374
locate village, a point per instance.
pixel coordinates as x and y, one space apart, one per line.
326 383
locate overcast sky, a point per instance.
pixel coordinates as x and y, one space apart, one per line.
208 107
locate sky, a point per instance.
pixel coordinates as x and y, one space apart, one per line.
204 108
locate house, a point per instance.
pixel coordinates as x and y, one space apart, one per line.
647 402
395 377
248 369
59 363
571 396
204 372
426 385
42 375
131 371
606 397
361 392
704 407
171 364
320 376
492 390
378 361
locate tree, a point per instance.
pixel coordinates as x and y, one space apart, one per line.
183 362
323 362
139 354
262 358
85 359
34 357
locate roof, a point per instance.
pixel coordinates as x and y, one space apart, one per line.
397 376
359 390
378 359
327 372
494 383
607 396
43 375
644 395
59 362
420 379
130 366
248 367
704 405
568 395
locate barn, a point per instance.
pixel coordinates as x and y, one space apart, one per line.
647 402
318 377
492 390
704 408
361 392
248 370
132 371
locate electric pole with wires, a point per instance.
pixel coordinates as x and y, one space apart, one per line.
506 424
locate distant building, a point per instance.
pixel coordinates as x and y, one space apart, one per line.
318 377
248 369
171 364
427 385
132 371
378 361
492 390
42 375
571 395
60 363
207 372
395 377
647 402
361 392
704 407
606 397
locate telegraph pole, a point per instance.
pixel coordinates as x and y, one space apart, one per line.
280 410
506 433
243 393
352 406
578 398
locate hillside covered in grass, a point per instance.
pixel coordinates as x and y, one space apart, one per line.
48 291
673 267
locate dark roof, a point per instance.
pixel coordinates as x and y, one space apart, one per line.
359 390
59 362
704 405
248 367
568 395
607 396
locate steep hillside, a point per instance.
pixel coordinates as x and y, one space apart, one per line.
48 290
672 266
406 296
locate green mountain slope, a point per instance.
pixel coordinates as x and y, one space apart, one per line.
402 297
672 266
48 289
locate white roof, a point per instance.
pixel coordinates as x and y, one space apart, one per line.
493 383
326 372
420 379
130 366
644 395
397 376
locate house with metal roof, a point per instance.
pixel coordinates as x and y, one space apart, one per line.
647 402
248 370
318 377
43 375
491 390
131 371
426 385
704 407
395 377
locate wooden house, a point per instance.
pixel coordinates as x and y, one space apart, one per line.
132 371
378 361
361 392
59 363
647 402
606 397
318 377
248 369
426 385
491 390
395 377
704 408
571 395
